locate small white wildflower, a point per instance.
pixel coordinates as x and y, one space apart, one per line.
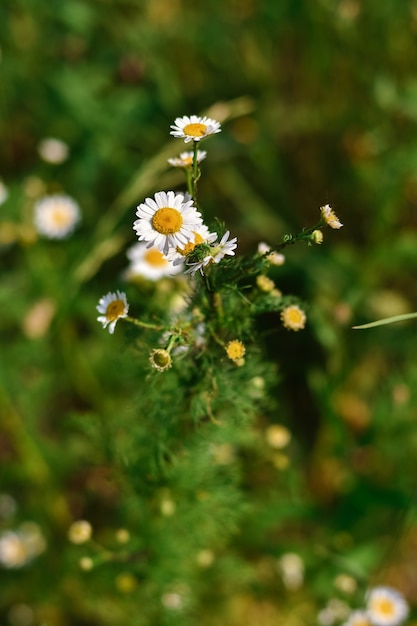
330 217
291 566
275 258
53 150
56 216
200 235
80 531
166 221
112 306
215 253
386 606
149 263
186 159
194 128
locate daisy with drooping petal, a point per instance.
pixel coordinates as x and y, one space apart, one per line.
56 216
293 317
166 221
186 159
386 606
330 217
194 128
213 253
112 307
149 263
358 618
200 235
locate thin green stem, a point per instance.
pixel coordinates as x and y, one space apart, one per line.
196 172
133 320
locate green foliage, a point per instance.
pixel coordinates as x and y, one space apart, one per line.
193 498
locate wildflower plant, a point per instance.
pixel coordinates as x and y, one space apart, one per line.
202 376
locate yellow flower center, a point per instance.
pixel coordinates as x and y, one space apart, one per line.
189 247
188 161
384 606
115 310
61 217
167 221
195 130
155 257
235 350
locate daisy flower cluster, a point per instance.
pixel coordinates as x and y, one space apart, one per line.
174 240
384 606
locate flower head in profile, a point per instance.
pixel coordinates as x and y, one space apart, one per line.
330 217
112 307
194 128
358 618
274 258
160 359
211 253
166 221
149 263
56 216
293 317
185 159
386 607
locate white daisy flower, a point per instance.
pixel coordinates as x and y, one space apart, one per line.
56 216
358 618
149 263
53 150
330 217
186 159
112 306
166 221
215 253
199 235
194 128
386 606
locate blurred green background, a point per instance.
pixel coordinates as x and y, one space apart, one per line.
318 101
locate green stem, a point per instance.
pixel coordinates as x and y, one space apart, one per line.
196 173
133 320
388 320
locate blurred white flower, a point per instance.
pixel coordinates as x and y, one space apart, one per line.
275 258
291 566
80 531
4 193
149 263
19 547
56 216
53 150
186 159
386 606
